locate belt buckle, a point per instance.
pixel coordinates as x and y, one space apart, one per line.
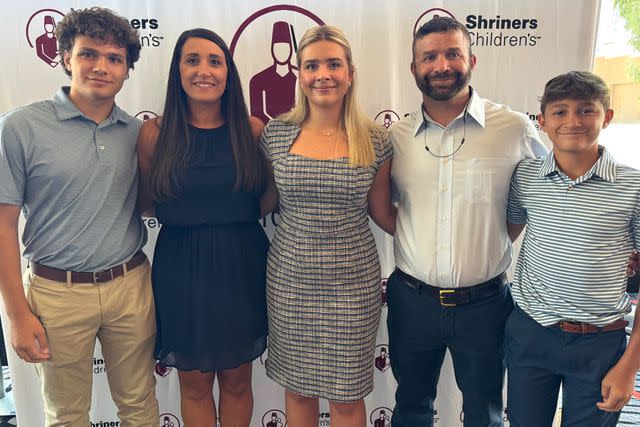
443 294
96 278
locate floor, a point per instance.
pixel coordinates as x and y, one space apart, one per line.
630 414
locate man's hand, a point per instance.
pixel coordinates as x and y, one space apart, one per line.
28 338
617 388
634 264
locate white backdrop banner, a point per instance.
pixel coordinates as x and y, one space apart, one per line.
519 44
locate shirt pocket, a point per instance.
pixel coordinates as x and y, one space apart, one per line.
486 181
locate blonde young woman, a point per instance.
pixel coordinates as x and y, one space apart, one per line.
331 165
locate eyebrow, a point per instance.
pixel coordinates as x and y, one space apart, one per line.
326 60
564 104
448 50
213 55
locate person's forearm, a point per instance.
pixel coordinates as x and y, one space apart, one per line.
387 220
630 360
10 277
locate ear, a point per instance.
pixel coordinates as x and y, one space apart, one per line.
540 118
412 67
472 61
66 57
608 116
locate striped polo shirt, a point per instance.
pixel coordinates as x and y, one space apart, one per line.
578 238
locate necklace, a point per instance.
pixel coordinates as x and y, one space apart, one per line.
328 133
464 135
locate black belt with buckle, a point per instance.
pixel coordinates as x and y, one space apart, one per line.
452 297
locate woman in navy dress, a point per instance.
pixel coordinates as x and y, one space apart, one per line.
202 170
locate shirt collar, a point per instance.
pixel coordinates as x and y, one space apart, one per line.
604 168
475 109
65 109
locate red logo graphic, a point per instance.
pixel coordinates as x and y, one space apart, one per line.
381 360
274 418
272 45
40 33
169 420
436 12
162 369
381 417
146 115
386 118
383 292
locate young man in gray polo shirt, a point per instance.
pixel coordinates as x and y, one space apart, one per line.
582 211
70 164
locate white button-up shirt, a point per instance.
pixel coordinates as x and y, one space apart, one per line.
451 227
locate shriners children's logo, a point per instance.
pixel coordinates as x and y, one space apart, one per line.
430 14
265 47
162 370
381 360
146 115
274 418
386 118
383 292
169 420
40 33
381 417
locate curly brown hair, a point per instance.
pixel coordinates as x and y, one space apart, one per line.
98 23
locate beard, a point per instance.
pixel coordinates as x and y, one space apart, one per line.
443 93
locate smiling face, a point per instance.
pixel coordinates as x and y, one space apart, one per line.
325 74
442 65
98 70
203 71
573 125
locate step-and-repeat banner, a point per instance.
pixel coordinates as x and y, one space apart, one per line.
519 44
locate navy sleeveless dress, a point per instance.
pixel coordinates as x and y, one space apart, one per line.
209 265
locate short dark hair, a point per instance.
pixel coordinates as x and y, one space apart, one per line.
98 23
441 24
581 85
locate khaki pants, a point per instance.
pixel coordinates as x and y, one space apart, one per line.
121 314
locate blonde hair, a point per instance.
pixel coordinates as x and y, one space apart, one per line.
360 129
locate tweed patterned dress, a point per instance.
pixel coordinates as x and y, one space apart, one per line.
323 272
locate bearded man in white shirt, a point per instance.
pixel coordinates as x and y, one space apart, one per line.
453 160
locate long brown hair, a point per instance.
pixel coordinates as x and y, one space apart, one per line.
174 148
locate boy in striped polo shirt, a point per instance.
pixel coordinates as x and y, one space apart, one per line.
582 211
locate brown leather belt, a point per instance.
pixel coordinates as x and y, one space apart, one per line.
87 277
452 297
588 328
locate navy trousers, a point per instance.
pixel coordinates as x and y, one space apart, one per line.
420 331
540 358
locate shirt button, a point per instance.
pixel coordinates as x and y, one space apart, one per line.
445 188
445 160
444 218
102 147
444 247
443 274
570 187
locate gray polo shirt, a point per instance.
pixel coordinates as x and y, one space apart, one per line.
579 234
76 181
